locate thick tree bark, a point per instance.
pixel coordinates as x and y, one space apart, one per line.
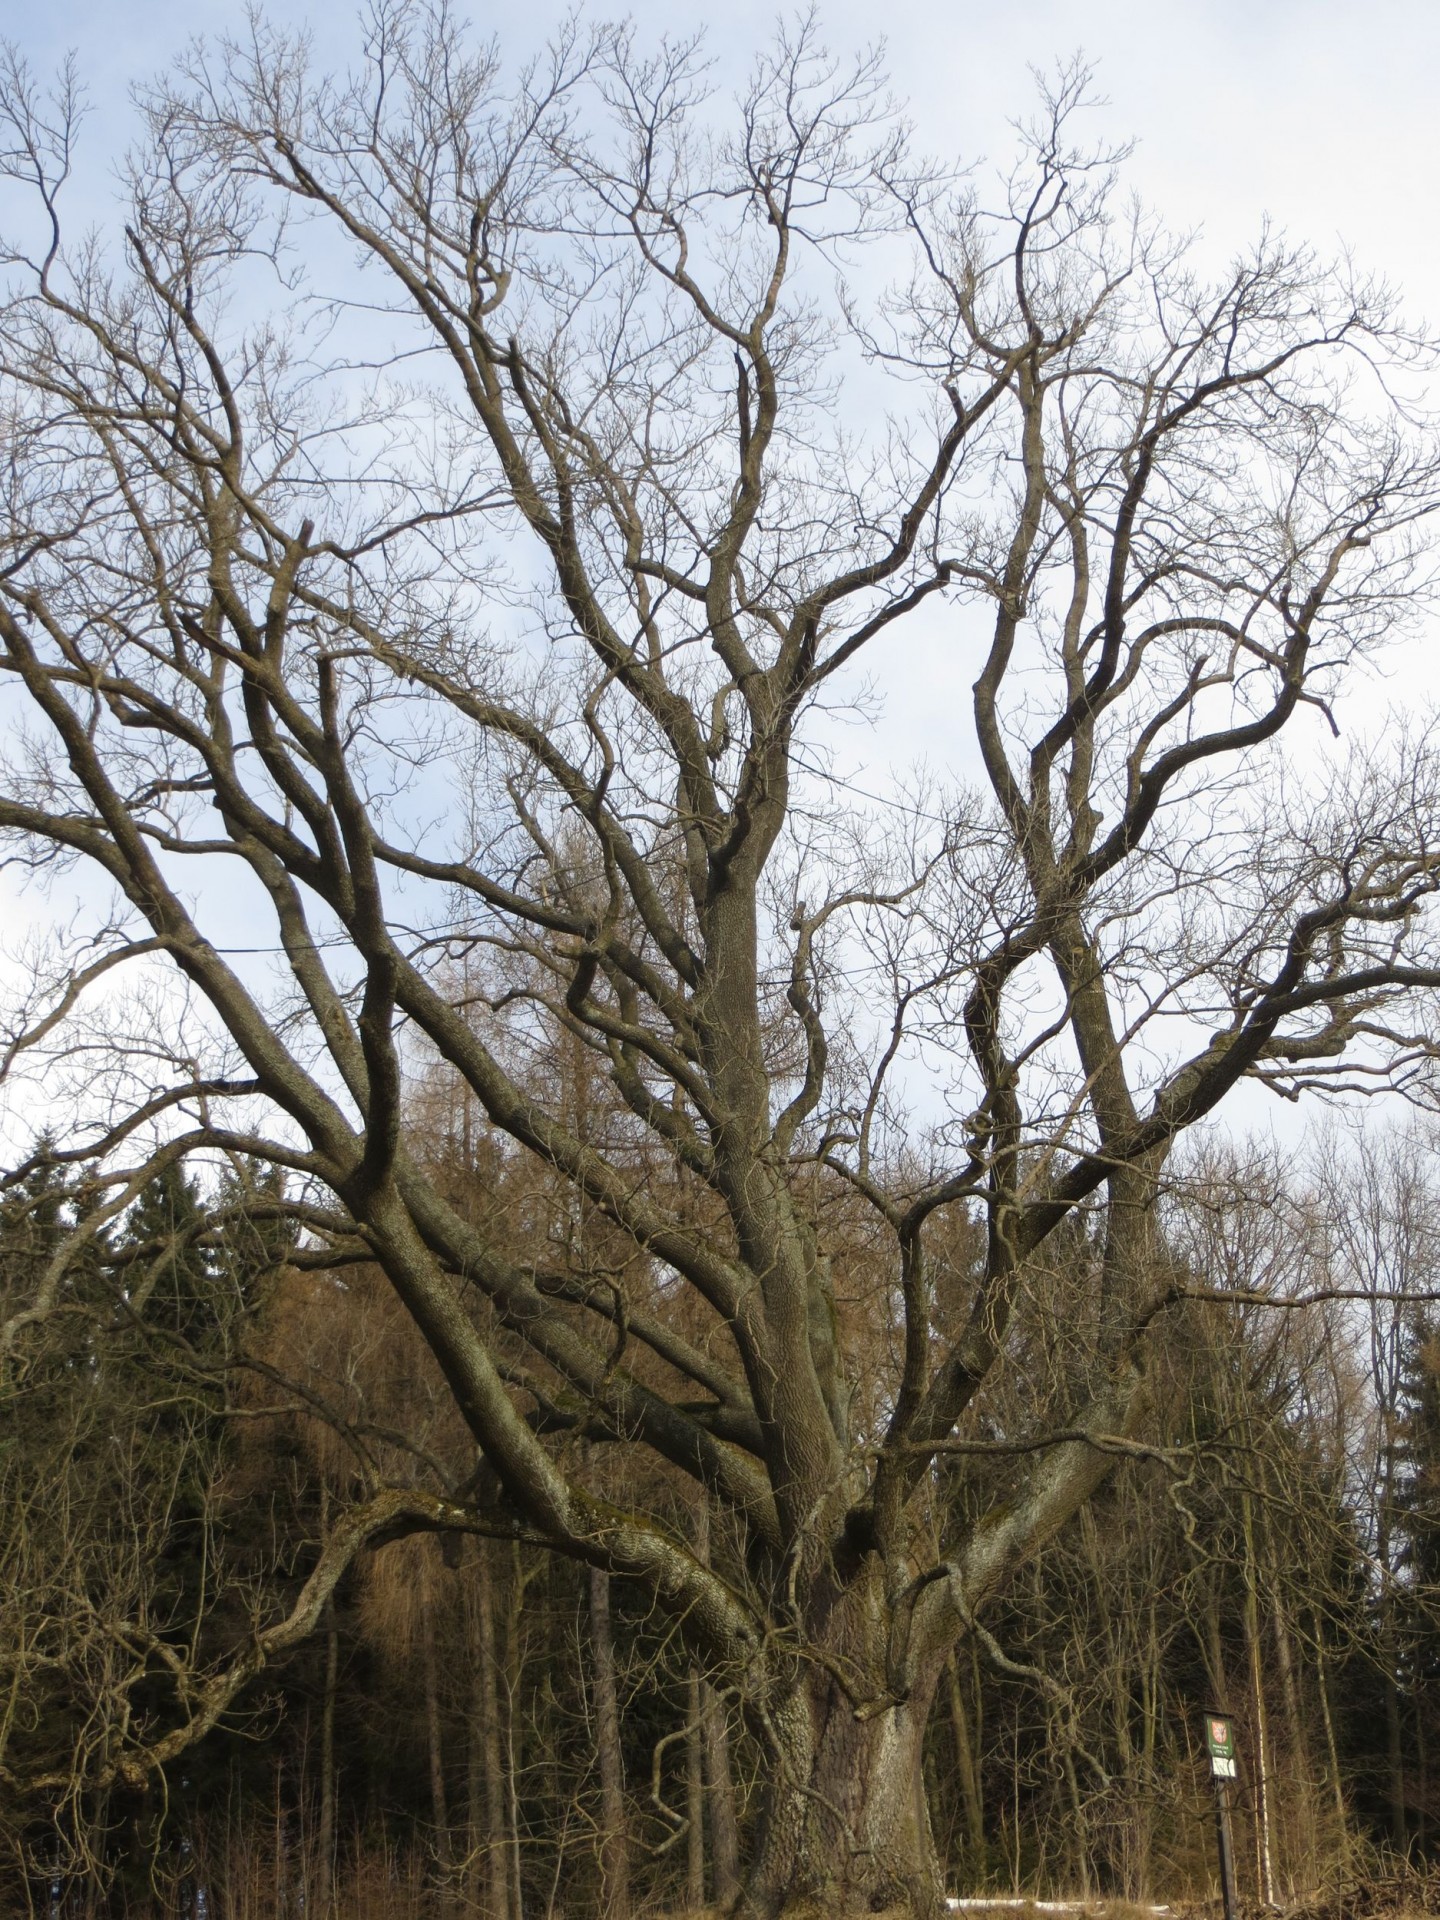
845 1825
720 1800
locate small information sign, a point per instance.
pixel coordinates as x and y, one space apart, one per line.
1220 1737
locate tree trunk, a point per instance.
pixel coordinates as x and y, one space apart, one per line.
1301 1795
694 1794
1389 1644
1422 1769
325 1840
1395 1762
614 1850
1264 1847
434 1738
965 1765
1152 1685
845 1826
1332 1748
282 1904
513 1727
719 1780
720 1801
485 1778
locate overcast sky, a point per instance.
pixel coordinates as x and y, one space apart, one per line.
1319 113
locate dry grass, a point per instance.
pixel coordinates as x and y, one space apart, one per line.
1005 1909
1404 1895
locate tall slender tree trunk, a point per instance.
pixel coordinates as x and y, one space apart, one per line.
1117 1667
720 1800
513 1729
1394 1749
1079 1825
477 1840
965 1766
694 1795
1422 1768
1264 1847
1151 1691
325 1839
614 1841
1390 1649
1332 1746
722 1820
1302 1787
1300 1796
487 1884
1394 1736
282 1904
434 1740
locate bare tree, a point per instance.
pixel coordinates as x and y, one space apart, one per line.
474 606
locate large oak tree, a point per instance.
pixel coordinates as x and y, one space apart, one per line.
435 538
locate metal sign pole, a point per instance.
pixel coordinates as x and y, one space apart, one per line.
1220 1739
1227 1851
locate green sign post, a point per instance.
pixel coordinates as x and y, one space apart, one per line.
1220 1744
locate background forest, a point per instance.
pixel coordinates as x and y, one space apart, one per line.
482 1728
